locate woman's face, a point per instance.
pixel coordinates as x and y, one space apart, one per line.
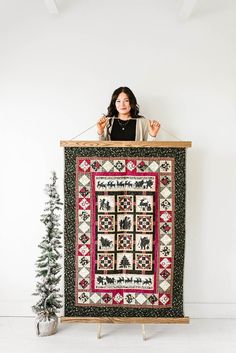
122 104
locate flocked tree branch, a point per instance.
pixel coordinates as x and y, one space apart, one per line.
47 266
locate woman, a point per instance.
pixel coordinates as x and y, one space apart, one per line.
123 122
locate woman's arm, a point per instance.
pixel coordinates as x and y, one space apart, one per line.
101 125
146 129
153 128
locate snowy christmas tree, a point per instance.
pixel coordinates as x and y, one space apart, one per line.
47 266
124 262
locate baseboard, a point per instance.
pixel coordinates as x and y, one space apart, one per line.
193 310
16 308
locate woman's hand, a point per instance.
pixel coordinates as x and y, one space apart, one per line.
101 124
153 127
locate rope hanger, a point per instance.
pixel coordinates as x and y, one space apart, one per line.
89 128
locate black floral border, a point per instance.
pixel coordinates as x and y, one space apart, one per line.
71 310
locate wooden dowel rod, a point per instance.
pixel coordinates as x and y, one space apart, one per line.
128 320
166 144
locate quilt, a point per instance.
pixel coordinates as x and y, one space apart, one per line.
124 231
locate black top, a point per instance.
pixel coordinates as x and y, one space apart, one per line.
123 130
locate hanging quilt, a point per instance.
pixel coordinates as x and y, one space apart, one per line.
124 231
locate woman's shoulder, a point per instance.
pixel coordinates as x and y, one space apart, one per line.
142 120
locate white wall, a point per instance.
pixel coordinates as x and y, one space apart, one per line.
57 74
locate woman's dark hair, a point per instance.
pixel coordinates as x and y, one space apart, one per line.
111 110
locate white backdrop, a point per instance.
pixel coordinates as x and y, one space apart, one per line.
57 73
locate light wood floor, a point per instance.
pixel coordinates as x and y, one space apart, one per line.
18 335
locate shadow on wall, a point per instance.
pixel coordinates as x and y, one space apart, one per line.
195 217
205 8
164 110
201 8
66 5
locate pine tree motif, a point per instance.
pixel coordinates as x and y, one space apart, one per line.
47 265
124 262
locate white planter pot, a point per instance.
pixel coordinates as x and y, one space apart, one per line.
46 326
